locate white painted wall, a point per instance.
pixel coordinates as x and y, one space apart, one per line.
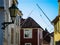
10 3
7 19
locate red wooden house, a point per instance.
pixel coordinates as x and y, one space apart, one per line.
30 32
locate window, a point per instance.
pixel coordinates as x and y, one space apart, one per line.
55 28
27 33
16 38
17 20
12 35
28 44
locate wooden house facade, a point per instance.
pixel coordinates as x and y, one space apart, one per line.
30 32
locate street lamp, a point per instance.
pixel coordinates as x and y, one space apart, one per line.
13 12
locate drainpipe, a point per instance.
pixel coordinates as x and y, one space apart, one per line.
51 41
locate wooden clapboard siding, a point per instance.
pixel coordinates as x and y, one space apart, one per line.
32 40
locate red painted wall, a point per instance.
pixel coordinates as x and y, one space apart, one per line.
32 40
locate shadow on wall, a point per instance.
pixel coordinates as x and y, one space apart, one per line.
1 3
1 30
1 35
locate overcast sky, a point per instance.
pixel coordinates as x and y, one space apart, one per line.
29 8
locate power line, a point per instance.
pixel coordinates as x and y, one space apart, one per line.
27 17
43 13
45 22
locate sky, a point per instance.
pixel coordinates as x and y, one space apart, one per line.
30 9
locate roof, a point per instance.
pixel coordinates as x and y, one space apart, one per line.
46 36
29 23
52 34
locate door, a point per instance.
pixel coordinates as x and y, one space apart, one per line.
58 43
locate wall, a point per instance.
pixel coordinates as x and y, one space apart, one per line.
1 30
1 3
32 40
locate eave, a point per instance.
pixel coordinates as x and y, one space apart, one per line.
15 1
58 0
56 19
20 12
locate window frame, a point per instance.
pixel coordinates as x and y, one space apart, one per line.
28 43
30 33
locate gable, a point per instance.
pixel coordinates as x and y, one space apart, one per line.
29 23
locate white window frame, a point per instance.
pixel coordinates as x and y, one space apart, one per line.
28 43
28 30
